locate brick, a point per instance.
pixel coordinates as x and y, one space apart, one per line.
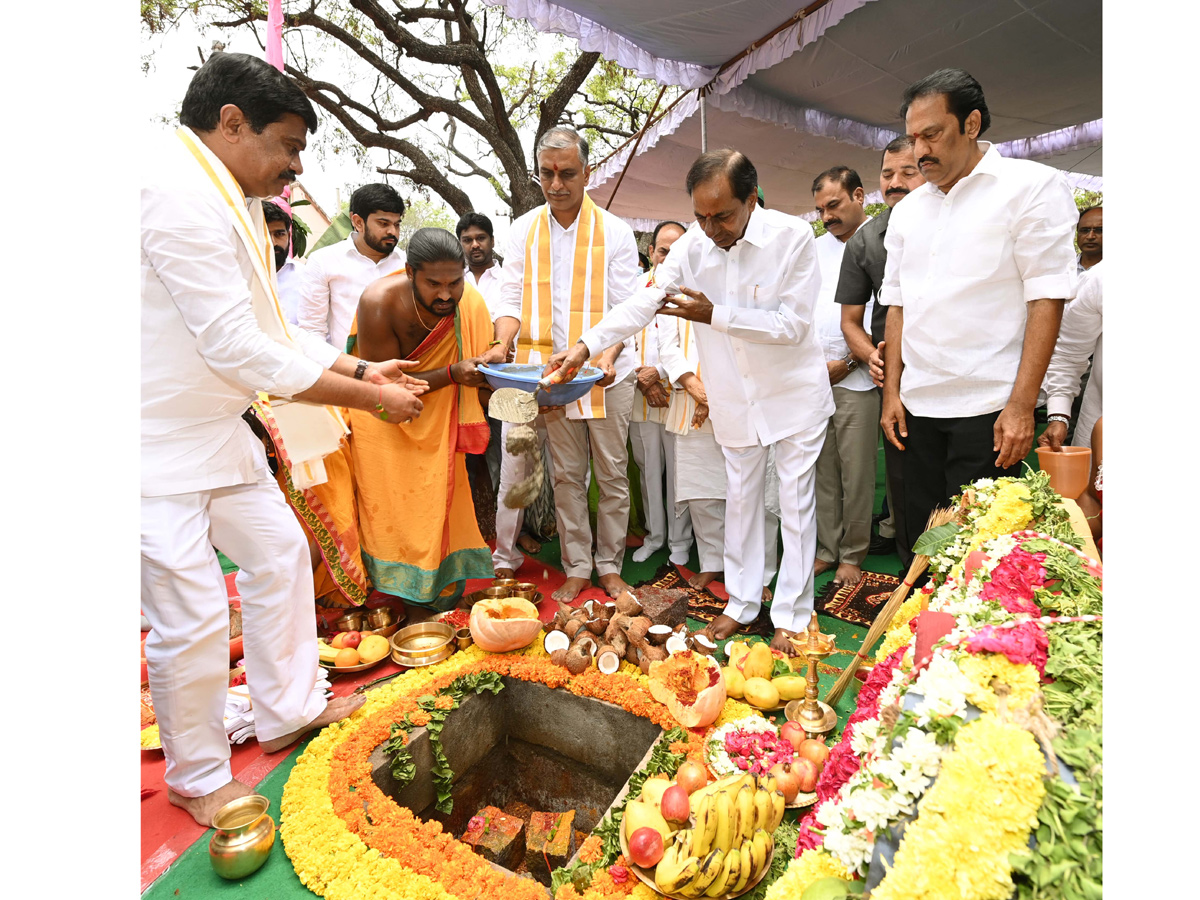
499 838
549 843
664 607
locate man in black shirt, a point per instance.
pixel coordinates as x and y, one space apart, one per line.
859 282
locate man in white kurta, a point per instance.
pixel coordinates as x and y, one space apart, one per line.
596 428
748 279
1081 337
209 308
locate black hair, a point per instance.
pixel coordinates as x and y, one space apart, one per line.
371 198
263 94
962 92
643 259
734 165
431 245
272 213
1098 206
479 220
843 175
897 145
659 227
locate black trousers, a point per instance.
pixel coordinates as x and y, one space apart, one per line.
893 461
942 455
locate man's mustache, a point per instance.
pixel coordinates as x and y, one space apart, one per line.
924 160
829 222
896 190
289 176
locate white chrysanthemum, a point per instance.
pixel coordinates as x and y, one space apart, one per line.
919 752
944 689
863 738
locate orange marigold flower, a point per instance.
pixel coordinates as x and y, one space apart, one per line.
444 703
591 849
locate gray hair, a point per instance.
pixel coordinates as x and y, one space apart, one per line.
562 137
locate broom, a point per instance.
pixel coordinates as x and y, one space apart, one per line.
884 619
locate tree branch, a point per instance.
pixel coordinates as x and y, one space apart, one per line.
553 106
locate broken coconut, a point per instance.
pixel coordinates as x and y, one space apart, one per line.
607 659
578 658
690 686
702 643
556 640
675 645
628 604
658 634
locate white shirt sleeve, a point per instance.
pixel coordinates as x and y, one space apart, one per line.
316 348
893 245
1043 240
1082 325
670 352
512 274
312 309
632 315
623 274
791 322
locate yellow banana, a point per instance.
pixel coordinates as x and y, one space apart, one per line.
745 813
763 846
710 868
762 810
704 834
745 869
669 879
725 821
729 874
778 805
683 840
767 782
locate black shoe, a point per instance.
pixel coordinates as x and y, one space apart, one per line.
881 546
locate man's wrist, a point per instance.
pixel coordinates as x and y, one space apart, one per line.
1066 420
361 369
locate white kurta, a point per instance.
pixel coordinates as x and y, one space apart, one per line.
334 279
1081 336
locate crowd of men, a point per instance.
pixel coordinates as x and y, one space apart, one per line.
750 369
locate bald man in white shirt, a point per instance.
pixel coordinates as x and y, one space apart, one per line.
748 278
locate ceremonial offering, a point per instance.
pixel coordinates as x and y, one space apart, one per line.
244 837
526 377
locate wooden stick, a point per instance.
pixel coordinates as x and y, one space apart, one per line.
633 152
884 619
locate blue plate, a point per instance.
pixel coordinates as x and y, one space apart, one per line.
525 377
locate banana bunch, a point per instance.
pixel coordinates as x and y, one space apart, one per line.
730 845
325 652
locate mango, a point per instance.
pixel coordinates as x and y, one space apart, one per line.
759 662
790 687
652 791
761 693
735 682
736 650
640 814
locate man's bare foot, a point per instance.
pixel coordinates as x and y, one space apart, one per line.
767 595
820 567
505 572
570 589
202 809
781 643
722 627
848 574
335 710
613 584
700 581
528 544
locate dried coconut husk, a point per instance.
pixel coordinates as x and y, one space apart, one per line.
571 629
631 654
638 628
587 641
618 623
559 658
597 625
628 604
652 653
592 607
577 659
607 659
644 663
618 642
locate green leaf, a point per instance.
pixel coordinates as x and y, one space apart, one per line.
781 668
935 540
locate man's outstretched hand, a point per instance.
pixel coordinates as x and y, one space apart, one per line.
392 372
565 364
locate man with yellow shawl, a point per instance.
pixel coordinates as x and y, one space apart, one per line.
420 540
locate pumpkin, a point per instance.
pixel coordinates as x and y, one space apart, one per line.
690 686
504 623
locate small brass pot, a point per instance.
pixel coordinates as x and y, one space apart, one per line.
352 621
463 639
244 837
381 617
504 583
498 593
526 590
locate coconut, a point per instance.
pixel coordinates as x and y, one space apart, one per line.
572 628
619 642
628 604
597 625
675 644
631 653
658 634
587 642
607 659
559 657
652 653
556 640
577 659
592 608
638 628
644 664
702 643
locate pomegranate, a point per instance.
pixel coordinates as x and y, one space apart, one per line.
815 751
786 780
675 806
351 639
808 773
645 847
691 776
793 734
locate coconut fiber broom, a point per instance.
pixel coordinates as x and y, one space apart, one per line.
919 564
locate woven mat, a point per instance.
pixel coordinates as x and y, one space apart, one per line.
859 603
704 605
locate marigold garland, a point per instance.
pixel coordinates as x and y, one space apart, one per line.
1022 680
803 871
900 631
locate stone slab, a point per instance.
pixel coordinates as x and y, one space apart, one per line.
549 843
498 838
664 607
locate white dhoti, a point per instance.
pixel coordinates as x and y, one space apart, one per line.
187 652
745 550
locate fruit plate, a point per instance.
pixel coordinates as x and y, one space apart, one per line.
349 670
646 876
802 800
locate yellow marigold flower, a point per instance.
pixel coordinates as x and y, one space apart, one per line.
803 871
981 668
733 711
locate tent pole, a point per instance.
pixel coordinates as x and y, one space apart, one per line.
633 152
703 123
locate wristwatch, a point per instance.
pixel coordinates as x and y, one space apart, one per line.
850 361
361 369
1058 417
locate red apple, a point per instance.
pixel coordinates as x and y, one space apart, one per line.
807 772
351 639
786 780
814 750
645 847
793 734
675 806
691 776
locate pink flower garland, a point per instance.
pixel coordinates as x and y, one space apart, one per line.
1014 580
1025 642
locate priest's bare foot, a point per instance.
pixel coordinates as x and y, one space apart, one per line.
821 566
767 595
701 580
202 809
570 589
848 574
613 584
529 545
722 627
505 572
781 643
335 710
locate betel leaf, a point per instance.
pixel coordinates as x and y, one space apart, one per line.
781 668
935 540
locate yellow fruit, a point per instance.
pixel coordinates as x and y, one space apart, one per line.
735 650
761 693
759 662
735 682
652 791
640 814
373 647
347 656
790 687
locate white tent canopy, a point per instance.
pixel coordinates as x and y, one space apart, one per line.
826 90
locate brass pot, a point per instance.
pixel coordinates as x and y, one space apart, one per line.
351 621
381 617
244 837
526 590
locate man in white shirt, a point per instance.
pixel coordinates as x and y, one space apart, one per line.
287 271
566 264
1080 338
1089 235
653 446
206 287
846 466
336 275
748 279
979 264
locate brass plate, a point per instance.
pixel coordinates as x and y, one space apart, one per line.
646 876
349 670
424 640
407 661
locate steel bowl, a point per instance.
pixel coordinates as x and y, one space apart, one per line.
244 837
525 377
422 641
